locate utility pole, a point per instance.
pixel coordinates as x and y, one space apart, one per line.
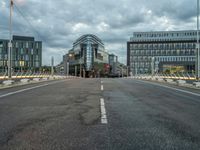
198 52
80 65
122 72
136 69
75 70
67 69
83 73
80 70
52 65
10 43
127 71
152 66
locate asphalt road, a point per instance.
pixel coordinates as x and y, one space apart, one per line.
68 114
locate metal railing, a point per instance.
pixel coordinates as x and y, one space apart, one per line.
177 76
31 74
27 74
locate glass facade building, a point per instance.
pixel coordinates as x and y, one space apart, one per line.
88 51
161 49
26 53
113 61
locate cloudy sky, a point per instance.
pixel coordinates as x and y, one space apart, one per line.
58 23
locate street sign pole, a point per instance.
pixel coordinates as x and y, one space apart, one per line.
10 43
52 65
198 52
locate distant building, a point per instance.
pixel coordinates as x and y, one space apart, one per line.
87 57
26 54
113 61
59 69
167 51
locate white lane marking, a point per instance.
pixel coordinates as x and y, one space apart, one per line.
102 87
103 112
101 82
27 89
180 90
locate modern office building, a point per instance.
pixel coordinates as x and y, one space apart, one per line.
167 51
26 54
87 57
113 62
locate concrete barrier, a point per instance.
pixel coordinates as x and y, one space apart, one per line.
8 82
24 80
153 78
45 79
181 82
169 80
196 84
36 79
160 79
149 78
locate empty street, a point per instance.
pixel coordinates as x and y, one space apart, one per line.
99 114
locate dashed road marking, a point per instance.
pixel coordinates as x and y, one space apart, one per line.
102 87
103 112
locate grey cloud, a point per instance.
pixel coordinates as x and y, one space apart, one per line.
59 23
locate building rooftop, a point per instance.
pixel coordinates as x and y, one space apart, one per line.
22 38
164 35
84 38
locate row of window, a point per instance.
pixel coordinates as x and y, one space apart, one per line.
163 52
160 59
141 65
26 45
20 64
165 46
188 59
165 34
21 51
23 44
21 57
164 40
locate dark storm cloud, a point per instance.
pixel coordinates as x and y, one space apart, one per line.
59 23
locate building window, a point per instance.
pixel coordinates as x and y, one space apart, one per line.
26 44
22 51
1 44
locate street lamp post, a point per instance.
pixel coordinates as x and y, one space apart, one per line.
122 72
68 60
198 51
83 73
52 65
67 68
127 71
75 70
10 43
80 67
136 70
80 70
152 66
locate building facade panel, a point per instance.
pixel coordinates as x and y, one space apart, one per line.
26 53
87 53
173 48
